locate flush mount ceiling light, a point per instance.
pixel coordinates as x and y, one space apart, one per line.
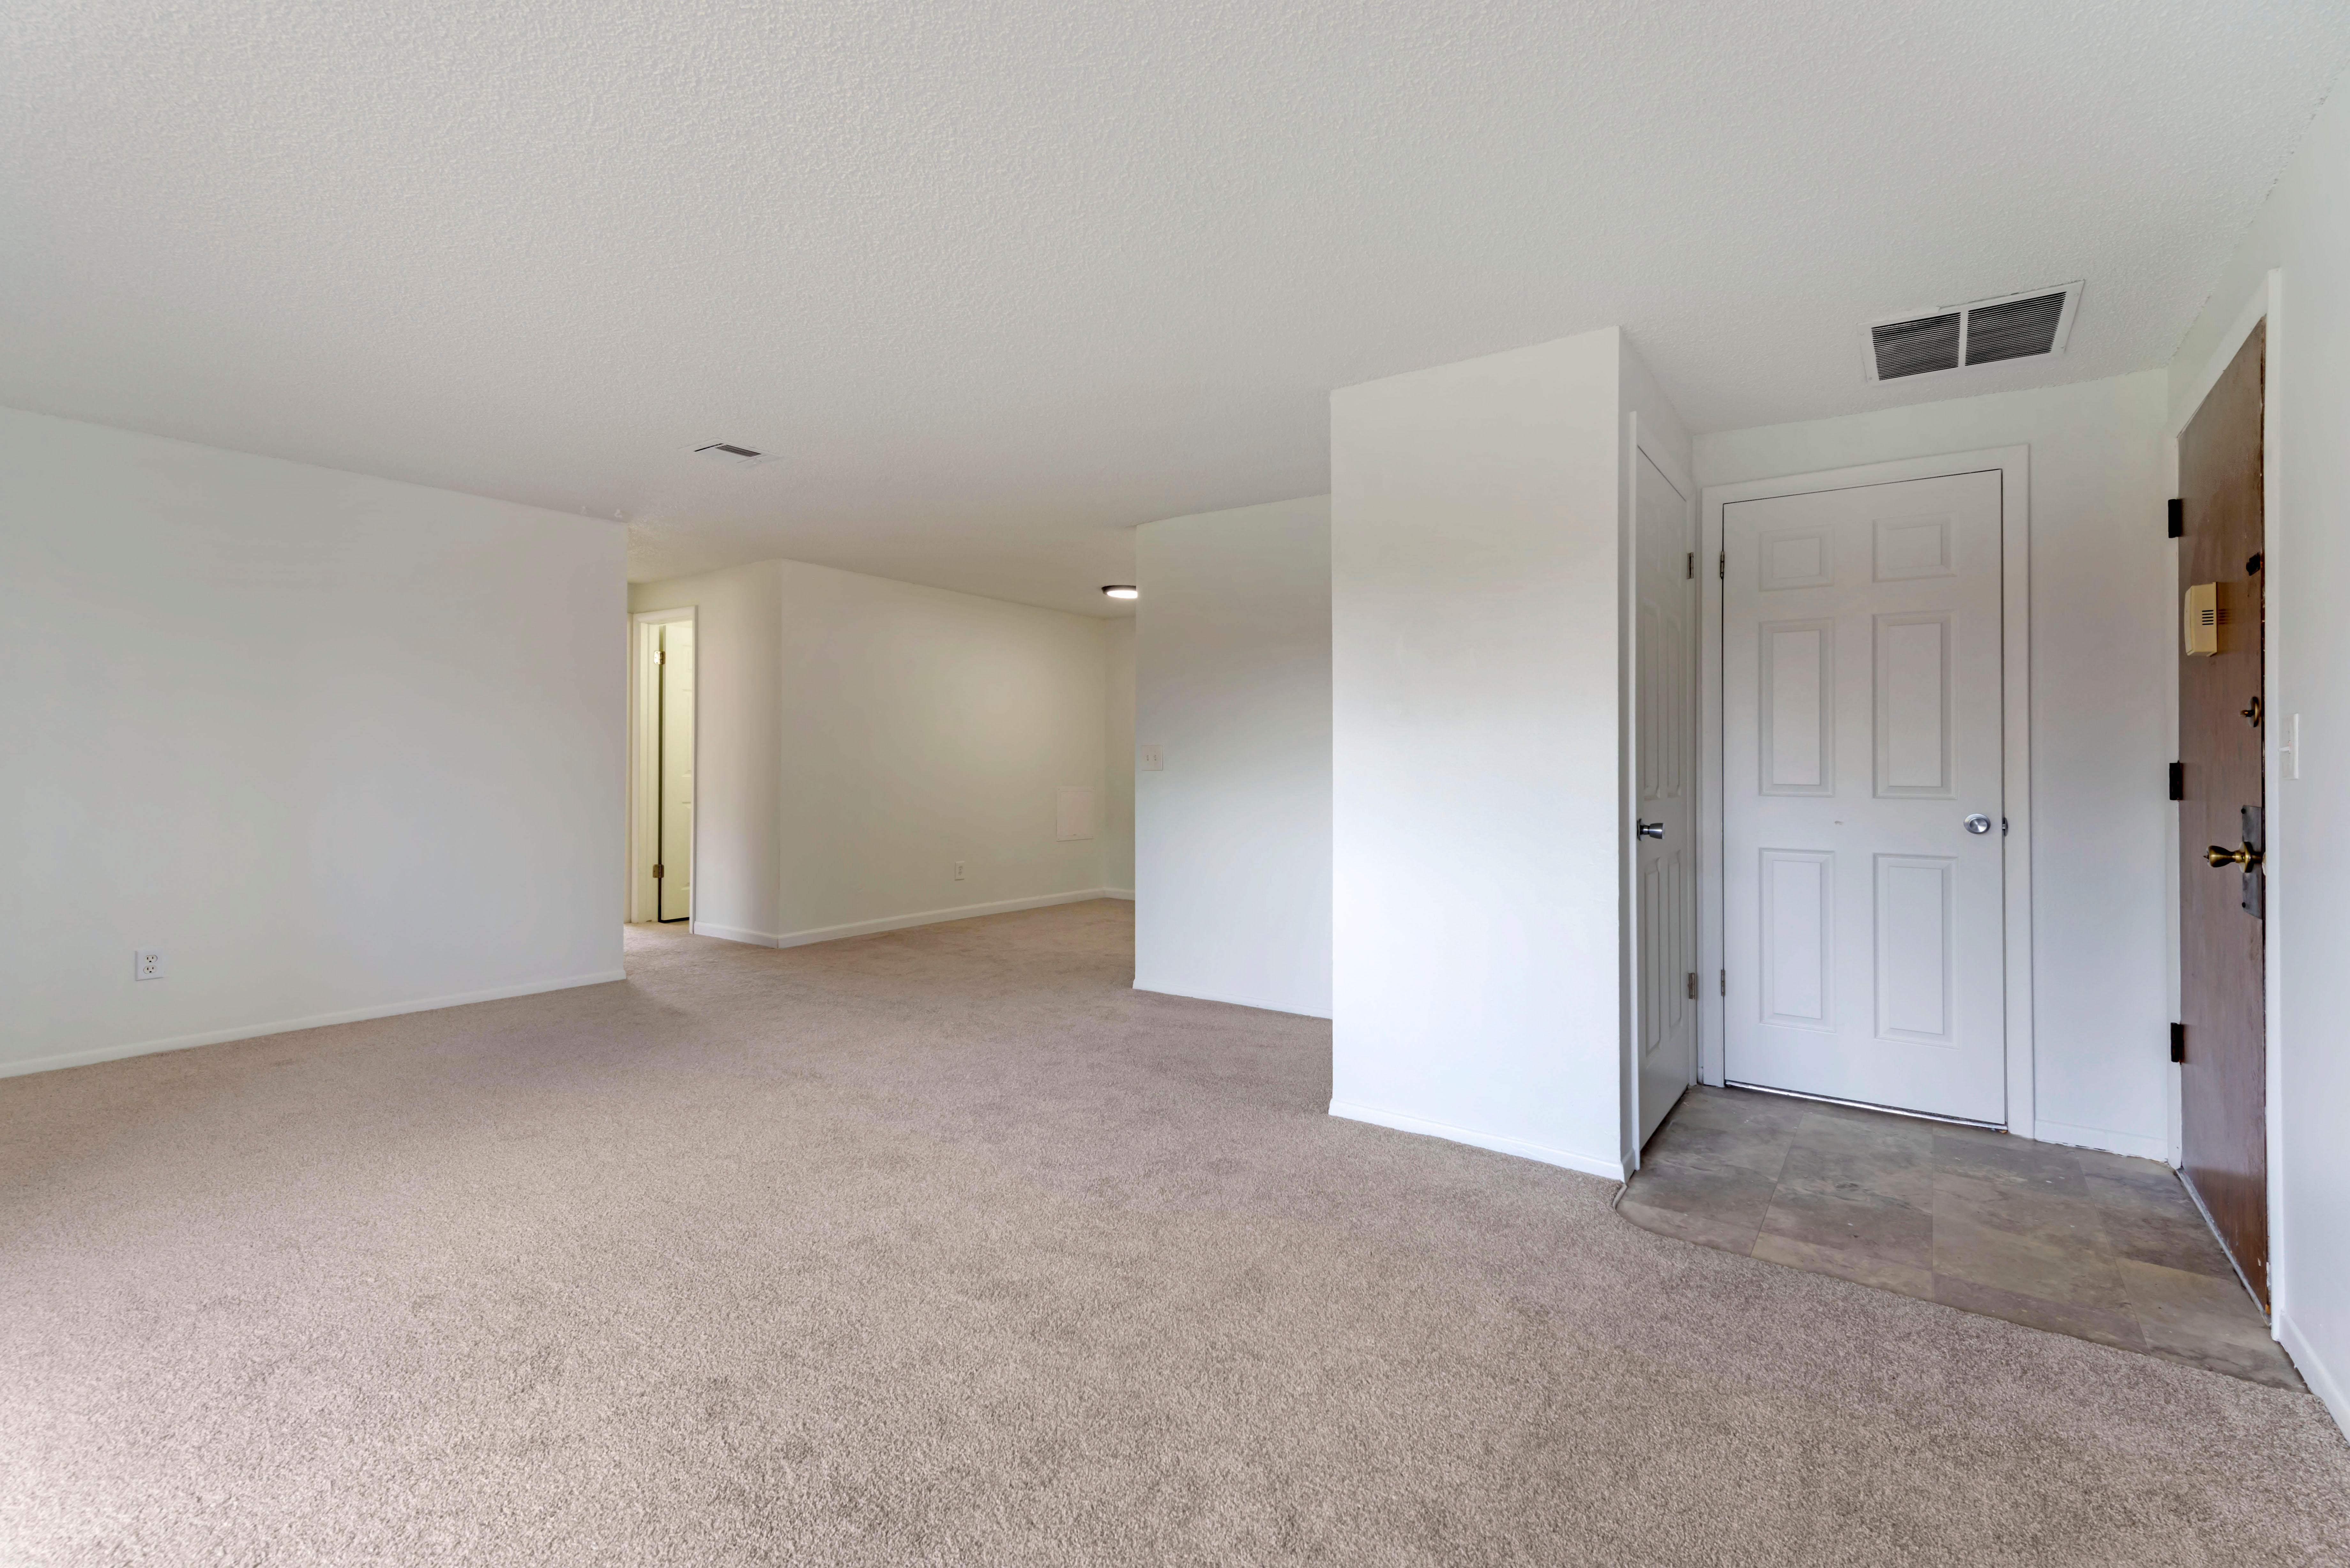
1122 590
2013 327
727 451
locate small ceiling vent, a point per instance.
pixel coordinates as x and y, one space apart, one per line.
2013 327
727 451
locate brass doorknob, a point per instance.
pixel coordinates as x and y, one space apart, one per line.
2246 857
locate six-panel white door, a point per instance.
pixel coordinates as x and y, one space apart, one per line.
1663 723
1861 731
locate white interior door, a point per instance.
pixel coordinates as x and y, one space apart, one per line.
675 720
1862 796
1664 589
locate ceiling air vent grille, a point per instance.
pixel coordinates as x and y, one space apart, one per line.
2013 327
1914 347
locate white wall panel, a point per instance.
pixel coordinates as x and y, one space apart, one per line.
339 746
1233 684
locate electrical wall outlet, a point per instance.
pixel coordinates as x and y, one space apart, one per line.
958 870
1148 760
147 964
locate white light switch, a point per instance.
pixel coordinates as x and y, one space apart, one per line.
147 964
1148 760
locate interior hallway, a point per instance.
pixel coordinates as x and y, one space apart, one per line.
947 1245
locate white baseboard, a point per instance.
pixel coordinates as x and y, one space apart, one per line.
731 933
1262 1006
894 922
1588 1164
1125 893
2144 1148
287 1025
2315 1372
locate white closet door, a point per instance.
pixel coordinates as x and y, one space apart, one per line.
1861 732
1665 755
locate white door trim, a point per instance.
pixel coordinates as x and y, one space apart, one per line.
642 783
2013 464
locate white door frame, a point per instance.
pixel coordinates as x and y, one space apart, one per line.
2013 464
644 782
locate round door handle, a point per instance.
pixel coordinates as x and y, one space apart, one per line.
1977 823
2219 855
1648 829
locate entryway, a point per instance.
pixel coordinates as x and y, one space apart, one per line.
2099 1246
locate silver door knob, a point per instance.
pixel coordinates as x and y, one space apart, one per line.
1977 823
1648 829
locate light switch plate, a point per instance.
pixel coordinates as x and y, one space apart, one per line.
147 964
1148 760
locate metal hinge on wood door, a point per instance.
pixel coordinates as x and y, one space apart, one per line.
1692 563
661 656
1692 985
1725 983
1721 566
661 870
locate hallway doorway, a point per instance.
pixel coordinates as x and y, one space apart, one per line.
661 773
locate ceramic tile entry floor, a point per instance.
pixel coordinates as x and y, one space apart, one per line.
2099 1246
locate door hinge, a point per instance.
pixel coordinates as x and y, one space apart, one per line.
1725 983
2178 781
661 656
1692 985
661 870
1721 566
1692 565
2178 1043
2178 518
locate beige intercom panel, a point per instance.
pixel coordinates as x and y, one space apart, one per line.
2203 618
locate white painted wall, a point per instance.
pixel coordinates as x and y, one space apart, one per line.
2102 719
340 746
1233 836
2304 232
1476 548
885 732
1117 754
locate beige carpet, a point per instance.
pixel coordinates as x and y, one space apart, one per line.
946 1247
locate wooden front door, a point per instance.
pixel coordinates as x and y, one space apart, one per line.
2222 950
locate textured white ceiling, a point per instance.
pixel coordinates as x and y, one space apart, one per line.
1000 280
